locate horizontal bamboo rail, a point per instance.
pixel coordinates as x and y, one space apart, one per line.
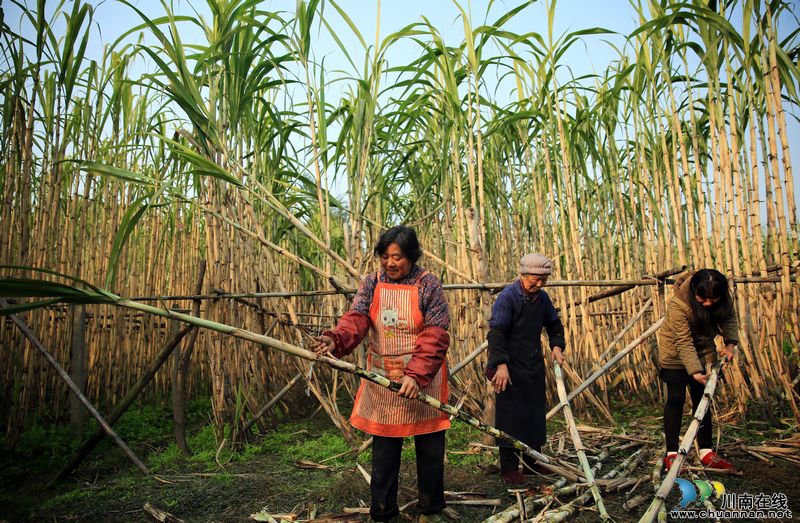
447 287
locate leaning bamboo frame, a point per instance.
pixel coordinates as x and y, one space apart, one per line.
605 368
686 445
105 427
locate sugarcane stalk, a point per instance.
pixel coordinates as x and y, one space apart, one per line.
557 489
655 478
605 368
686 445
565 511
512 513
332 362
23 327
577 443
262 240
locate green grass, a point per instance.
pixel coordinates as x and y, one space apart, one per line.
44 447
71 496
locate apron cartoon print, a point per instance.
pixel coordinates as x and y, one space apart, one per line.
397 321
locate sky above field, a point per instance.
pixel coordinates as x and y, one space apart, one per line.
591 55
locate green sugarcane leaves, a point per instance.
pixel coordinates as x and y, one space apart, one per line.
130 218
54 292
117 172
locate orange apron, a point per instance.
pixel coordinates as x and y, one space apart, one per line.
396 321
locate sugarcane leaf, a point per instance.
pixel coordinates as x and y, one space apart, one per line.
27 268
31 287
115 172
27 306
130 218
201 164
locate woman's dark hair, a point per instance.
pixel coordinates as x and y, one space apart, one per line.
709 284
404 237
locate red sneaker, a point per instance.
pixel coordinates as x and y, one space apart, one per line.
669 459
513 477
713 461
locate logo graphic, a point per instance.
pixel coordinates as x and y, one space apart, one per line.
732 506
705 489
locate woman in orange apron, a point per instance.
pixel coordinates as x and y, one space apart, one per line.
405 307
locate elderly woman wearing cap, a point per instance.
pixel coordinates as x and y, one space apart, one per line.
516 364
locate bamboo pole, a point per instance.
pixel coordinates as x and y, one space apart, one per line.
686 445
577 443
626 328
74 388
466 361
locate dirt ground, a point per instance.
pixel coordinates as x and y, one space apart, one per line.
272 482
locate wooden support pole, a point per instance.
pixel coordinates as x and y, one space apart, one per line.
182 360
78 361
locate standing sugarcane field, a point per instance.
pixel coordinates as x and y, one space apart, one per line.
340 261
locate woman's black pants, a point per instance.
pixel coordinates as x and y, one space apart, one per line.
677 380
386 469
